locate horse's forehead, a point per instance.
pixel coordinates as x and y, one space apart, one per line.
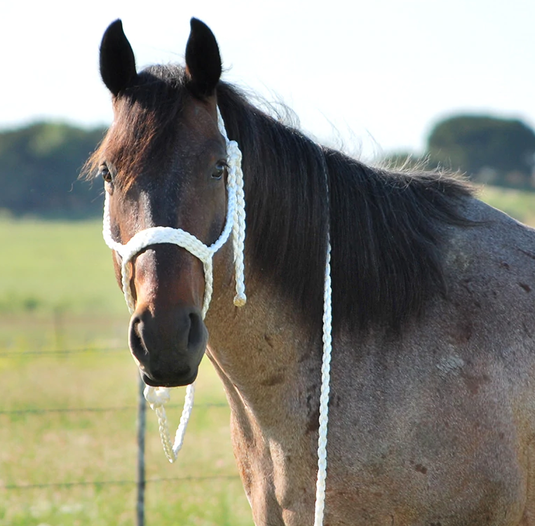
199 120
141 136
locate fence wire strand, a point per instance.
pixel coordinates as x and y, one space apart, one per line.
115 482
98 409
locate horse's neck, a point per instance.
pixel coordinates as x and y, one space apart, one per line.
261 350
271 370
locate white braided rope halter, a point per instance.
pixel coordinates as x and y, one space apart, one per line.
235 222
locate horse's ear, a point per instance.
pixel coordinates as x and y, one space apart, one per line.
203 62
117 61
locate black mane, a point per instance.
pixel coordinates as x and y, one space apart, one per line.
386 228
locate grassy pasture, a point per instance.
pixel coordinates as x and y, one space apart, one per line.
56 266
57 291
92 446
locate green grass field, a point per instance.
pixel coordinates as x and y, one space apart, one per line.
58 291
58 265
99 445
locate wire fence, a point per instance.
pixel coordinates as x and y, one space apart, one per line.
35 410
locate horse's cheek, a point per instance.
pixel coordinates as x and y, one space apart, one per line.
117 269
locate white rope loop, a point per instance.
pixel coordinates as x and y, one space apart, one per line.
235 225
157 397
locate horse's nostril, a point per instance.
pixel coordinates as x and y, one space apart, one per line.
197 331
136 339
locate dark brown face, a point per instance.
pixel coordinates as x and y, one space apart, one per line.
164 164
167 335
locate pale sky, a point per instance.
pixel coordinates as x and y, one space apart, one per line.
374 75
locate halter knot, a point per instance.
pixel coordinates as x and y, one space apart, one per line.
156 397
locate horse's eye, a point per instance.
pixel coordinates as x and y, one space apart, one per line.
219 170
105 173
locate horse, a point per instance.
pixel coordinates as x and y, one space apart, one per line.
432 393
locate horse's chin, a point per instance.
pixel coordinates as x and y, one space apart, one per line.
178 381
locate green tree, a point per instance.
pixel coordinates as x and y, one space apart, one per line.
482 144
39 168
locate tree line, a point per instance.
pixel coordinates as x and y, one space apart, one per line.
40 163
39 171
488 150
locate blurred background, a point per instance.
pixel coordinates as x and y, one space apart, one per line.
446 83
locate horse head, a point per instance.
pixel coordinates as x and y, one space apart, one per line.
164 164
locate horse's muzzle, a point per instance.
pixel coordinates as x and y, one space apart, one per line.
168 347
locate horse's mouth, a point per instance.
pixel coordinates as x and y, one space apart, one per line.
176 381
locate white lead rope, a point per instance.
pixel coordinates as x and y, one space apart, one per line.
324 393
235 222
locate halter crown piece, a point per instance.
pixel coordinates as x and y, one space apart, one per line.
235 223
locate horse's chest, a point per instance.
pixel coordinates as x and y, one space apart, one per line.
444 451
